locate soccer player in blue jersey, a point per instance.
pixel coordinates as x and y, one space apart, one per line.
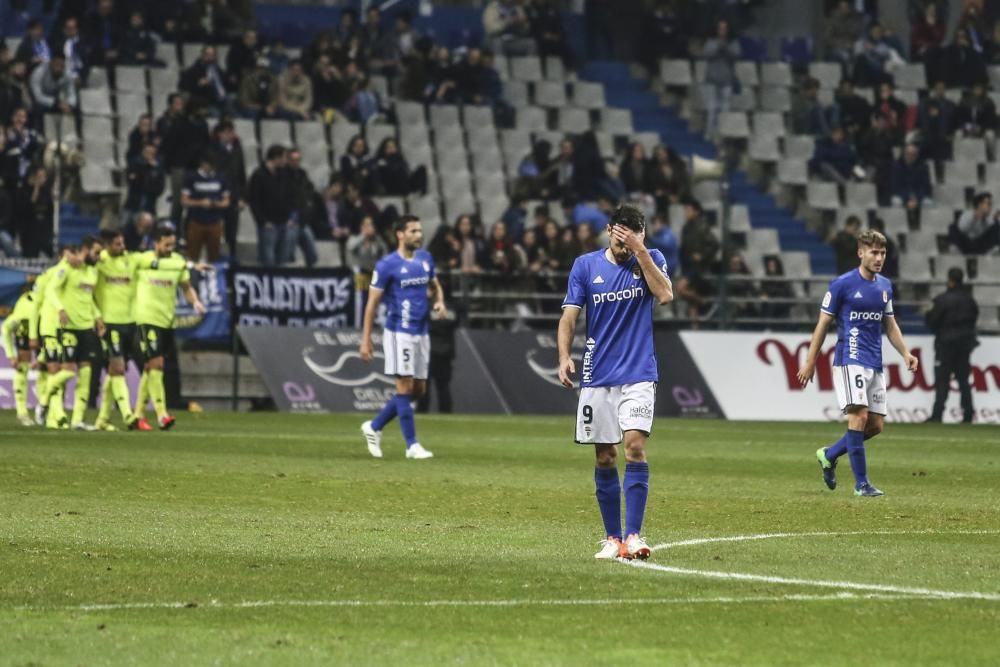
405 280
619 287
861 303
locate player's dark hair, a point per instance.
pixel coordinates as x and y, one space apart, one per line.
163 231
956 276
871 239
630 217
71 247
403 221
89 242
980 197
109 235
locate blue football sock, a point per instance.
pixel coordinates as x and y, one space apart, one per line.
636 491
609 499
406 424
837 449
856 452
387 414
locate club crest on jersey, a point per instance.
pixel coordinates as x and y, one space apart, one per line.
427 267
885 296
636 273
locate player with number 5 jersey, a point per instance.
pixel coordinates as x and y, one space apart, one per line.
405 281
860 301
619 286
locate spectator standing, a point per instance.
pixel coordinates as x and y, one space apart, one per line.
392 173
873 58
952 319
976 232
102 33
936 120
206 198
927 34
241 58
138 45
547 29
911 179
269 200
205 82
667 178
228 154
699 246
69 45
472 245
52 88
662 238
720 54
364 250
808 116
633 169
876 150
34 49
977 115
146 180
843 28
959 64
143 133
183 136
845 245
303 198
36 228
853 111
441 330
295 92
507 28
890 268
14 90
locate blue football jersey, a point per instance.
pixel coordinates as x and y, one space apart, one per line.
858 305
404 283
619 304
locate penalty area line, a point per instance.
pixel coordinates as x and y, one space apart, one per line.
259 604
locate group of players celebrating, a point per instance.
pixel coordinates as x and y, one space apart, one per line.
98 303
619 286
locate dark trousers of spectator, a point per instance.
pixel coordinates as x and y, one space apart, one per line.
440 376
302 236
977 246
952 359
271 243
177 175
204 236
34 232
232 229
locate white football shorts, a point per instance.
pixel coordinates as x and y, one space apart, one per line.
406 354
604 413
860 386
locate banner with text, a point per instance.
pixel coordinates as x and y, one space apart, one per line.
211 289
753 376
263 296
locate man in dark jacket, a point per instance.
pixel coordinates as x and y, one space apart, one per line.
953 321
845 245
146 181
205 82
270 202
229 159
184 137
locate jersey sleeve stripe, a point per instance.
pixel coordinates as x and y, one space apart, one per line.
572 305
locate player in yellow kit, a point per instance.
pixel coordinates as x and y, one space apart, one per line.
18 346
71 293
115 298
45 328
158 273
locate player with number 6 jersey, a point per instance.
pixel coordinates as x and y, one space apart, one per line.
860 301
619 286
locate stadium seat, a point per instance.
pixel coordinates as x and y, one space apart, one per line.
97 129
319 174
828 74
745 99
676 73
822 196
314 153
915 267
516 93
764 148
515 142
275 132
131 79
768 123
95 101
988 268
532 118
922 243
444 115
246 131
950 196
648 141
97 79
409 113
380 85
796 264
96 179
774 98
130 106
910 76
101 152
799 146
895 220
793 171
554 69
746 73
961 172
502 67
944 262
970 149
526 68
763 242
376 133
190 53
573 121
341 134
490 186
459 205
861 195
328 254
550 94
167 53
588 95
492 209
776 74
708 193
477 116
310 133
425 208
734 125
482 137
739 218
606 143
251 157
616 121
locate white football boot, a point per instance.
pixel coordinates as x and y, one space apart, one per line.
636 547
374 439
611 549
417 451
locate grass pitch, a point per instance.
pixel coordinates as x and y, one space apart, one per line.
275 539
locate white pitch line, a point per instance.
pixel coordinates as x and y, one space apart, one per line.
257 604
791 581
770 536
